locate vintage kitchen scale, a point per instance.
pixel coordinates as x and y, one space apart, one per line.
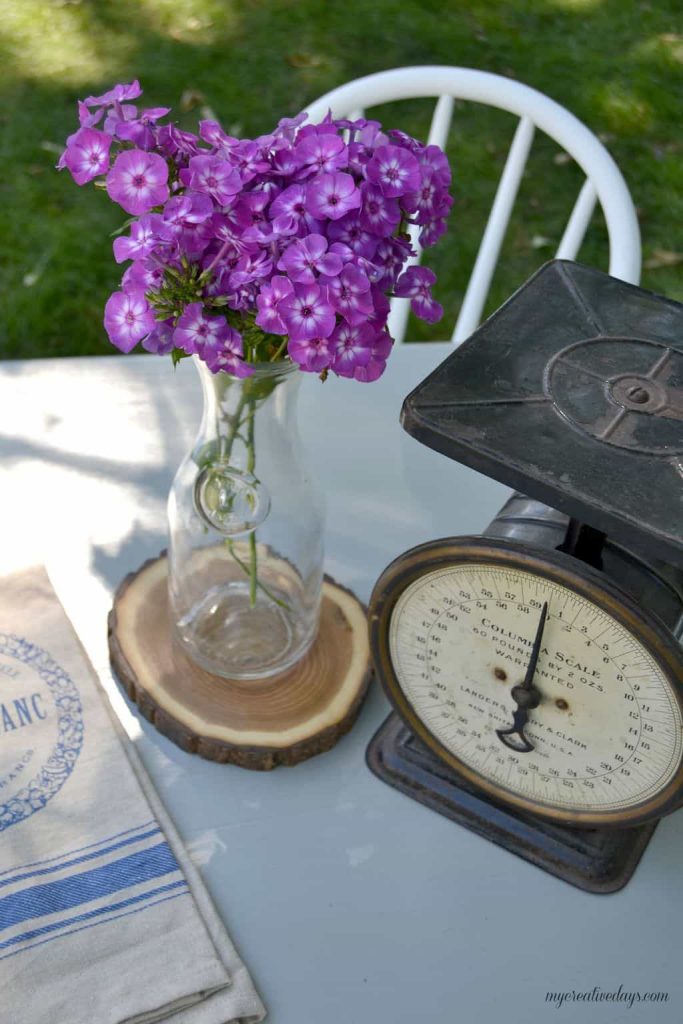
536 671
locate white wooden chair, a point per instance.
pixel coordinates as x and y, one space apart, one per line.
604 182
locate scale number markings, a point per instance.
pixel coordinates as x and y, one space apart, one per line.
607 733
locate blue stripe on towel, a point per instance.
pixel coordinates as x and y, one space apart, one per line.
79 849
80 860
89 915
51 897
94 924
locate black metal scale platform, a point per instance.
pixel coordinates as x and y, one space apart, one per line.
572 393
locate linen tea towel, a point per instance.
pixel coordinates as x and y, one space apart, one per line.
103 918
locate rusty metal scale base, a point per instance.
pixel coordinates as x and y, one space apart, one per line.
595 860
572 393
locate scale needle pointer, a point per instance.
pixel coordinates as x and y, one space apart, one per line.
526 697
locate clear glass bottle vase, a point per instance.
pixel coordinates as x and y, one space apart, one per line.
246 530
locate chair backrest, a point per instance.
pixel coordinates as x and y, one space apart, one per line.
604 182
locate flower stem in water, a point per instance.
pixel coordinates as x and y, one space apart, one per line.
251 465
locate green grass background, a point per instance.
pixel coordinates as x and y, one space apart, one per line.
615 63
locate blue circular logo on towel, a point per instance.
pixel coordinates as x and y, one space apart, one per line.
41 728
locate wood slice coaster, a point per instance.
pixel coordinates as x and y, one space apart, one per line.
252 723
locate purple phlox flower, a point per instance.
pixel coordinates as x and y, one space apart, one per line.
215 177
247 157
144 275
381 306
212 133
307 313
138 181
351 347
357 125
432 232
279 151
433 159
127 319
270 145
250 209
251 267
139 130
191 219
429 203
228 362
88 118
116 95
196 332
118 115
349 231
328 126
416 284
87 154
244 298
332 195
321 153
378 214
249 220
442 203
218 283
223 230
231 349
178 208
191 208
312 354
343 251
268 188
289 215
222 261
234 343
148 233
372 136
294 231
160 340
268 318
382 345
390 256
422 202
373 273
405 141
376 365
175 143
284 161
359 158
270 234
349 294
372 370
195 237
394 170
287 126
260 233
304 258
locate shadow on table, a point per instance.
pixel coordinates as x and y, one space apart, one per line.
140 545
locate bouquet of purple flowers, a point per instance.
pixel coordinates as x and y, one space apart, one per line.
245 251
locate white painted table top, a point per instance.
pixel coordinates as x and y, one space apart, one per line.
349 902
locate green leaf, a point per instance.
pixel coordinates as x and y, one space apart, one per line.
177 354
124 227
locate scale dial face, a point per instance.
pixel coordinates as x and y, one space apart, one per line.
546 687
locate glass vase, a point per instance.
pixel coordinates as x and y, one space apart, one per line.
245 530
